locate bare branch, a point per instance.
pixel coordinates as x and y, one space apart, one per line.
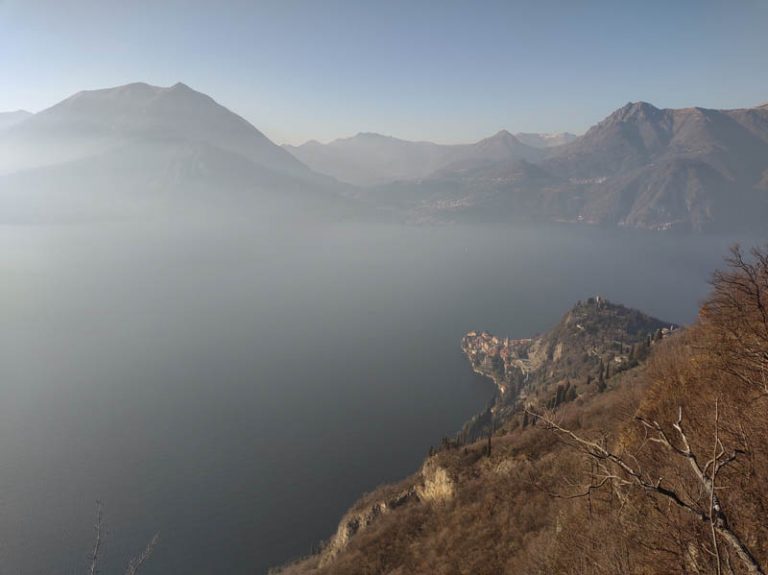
714 516
135 564
97 545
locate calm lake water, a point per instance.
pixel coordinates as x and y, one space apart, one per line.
235 386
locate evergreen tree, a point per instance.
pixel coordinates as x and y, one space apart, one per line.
559 395
601 378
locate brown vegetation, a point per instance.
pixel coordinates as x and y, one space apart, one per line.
664 472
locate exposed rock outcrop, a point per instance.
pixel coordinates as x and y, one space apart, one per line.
360 518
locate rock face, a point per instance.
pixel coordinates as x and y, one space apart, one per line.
432 485
360 518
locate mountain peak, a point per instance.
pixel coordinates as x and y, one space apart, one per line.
139 110
372 136
503 137
636 111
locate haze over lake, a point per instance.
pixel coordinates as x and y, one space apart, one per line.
235 384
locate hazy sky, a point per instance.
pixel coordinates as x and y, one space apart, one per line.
442 70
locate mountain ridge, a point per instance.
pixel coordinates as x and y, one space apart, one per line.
370 159
138 141
8 119
690 169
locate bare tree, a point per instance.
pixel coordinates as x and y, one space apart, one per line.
625 471
134 564
737 312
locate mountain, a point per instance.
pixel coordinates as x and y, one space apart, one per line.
144 143
545 140
97 119
369 158
693 168
372 159
8 119
641 167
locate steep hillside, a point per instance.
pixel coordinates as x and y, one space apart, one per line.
657 468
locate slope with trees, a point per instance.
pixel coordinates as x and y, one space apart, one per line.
664 471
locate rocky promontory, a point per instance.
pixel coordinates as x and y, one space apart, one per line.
595 339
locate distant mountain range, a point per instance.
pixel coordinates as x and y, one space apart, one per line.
545 140
370 159
8 119
641 167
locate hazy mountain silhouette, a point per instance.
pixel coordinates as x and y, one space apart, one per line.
693 167
545 140
145 142
640 167
369 159
8 119
96 119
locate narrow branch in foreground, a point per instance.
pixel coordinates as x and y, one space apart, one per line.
135 564
715 516
97 545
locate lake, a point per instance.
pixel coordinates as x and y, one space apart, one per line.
235 385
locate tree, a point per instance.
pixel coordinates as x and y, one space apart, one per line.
737 317
624 472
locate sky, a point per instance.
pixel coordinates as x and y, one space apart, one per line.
444 71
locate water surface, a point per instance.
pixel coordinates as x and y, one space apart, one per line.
236 385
